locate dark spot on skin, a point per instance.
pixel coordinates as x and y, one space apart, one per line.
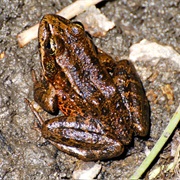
76 67
69 111
54 21
67 88
83 111
105 111
77 51
68 84
63 139
92 89
62 74
81 92
86 73
95 61
60 30
64 97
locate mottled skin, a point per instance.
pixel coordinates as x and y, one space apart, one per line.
103 101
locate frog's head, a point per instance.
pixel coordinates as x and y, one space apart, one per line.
61 39
58 32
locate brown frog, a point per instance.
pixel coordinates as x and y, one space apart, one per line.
103 101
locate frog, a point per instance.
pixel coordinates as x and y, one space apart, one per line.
102 100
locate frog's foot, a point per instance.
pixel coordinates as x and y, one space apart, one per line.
39 118
37 127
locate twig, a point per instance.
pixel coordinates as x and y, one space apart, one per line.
68 12
159 145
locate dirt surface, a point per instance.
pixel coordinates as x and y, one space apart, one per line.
23 153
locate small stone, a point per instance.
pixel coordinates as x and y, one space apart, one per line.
86 170
153 52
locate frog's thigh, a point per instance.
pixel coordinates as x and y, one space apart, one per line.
45 96
132 92
82 138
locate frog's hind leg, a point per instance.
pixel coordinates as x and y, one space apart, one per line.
79 137
44 95
133 95
82 138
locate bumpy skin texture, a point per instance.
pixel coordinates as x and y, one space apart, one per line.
103 101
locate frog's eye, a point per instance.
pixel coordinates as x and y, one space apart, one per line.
77 28
50 45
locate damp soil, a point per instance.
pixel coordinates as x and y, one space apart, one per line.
24 154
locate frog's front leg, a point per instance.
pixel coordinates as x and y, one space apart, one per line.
44 95
82 138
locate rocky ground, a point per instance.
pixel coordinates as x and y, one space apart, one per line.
23 153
